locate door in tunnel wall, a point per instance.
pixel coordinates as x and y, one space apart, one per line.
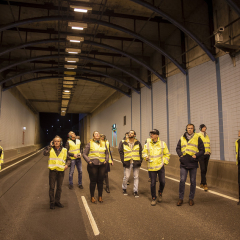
177 102
204 102
230 83
146 114
160 109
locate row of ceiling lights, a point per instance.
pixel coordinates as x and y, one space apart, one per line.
69 81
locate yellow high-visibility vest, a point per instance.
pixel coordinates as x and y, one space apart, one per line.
158 154
74 148
1 158
57 162
108 147
190 147
97 151
236 147
131 153
206 142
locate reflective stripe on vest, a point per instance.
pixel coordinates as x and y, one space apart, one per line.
155 154
190 147
97 152
131 153
74 148
57 162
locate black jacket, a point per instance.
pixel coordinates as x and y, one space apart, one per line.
188 161
127 163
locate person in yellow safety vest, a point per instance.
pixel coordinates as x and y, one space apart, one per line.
96 155
103 138
1 156
130 152
237 144
156 153
58 162
73 146
203 160
131 165
189 148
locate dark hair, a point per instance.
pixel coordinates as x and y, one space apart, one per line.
132 131
126 133
190 124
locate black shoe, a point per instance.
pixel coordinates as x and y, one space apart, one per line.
70 186
125 192
52 206
128 182
107 190
80 186
135 194
58 204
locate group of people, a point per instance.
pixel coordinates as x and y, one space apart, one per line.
192 148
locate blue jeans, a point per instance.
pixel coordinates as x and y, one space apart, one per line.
78 163
127 172
183 178
161 177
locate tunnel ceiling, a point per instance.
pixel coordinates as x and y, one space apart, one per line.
118 42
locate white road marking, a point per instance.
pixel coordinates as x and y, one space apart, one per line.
90 217
210 191
21 160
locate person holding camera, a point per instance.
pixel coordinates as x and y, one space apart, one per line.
190 148
130 152
73 147
96 155
58 162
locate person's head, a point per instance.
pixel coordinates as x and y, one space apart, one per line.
96 136
190 128
72 135
238 133
131 134
102 137
202 128
126 135
154 134
57 142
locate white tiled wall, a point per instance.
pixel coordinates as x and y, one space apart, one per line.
103 121
136 114
177 102
160 109
146 114
15 116
204 102
230 81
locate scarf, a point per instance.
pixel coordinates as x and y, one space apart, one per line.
189 136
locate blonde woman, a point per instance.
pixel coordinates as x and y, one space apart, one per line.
96 155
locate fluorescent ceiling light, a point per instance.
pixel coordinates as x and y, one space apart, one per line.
69 73
69 78
67 91
82 9
77 25
75 39
73 50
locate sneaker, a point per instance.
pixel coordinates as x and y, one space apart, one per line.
201 185
70 186
205 187
154 202
128 182
180 202
125 192
149 180
80 186
159 197
191 202
135 194
58 204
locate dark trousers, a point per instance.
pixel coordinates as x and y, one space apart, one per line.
161 177
96 176
203 162
107 169
55 176
183 178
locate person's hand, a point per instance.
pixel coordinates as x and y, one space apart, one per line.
90 163
75 155
105 162
66 167
79 155
147 158
194 156
112 163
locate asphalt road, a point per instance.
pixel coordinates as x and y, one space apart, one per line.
25 213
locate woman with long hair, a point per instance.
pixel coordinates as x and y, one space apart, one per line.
96 155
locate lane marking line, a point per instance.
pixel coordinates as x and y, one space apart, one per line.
210 191
21 160
90 217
